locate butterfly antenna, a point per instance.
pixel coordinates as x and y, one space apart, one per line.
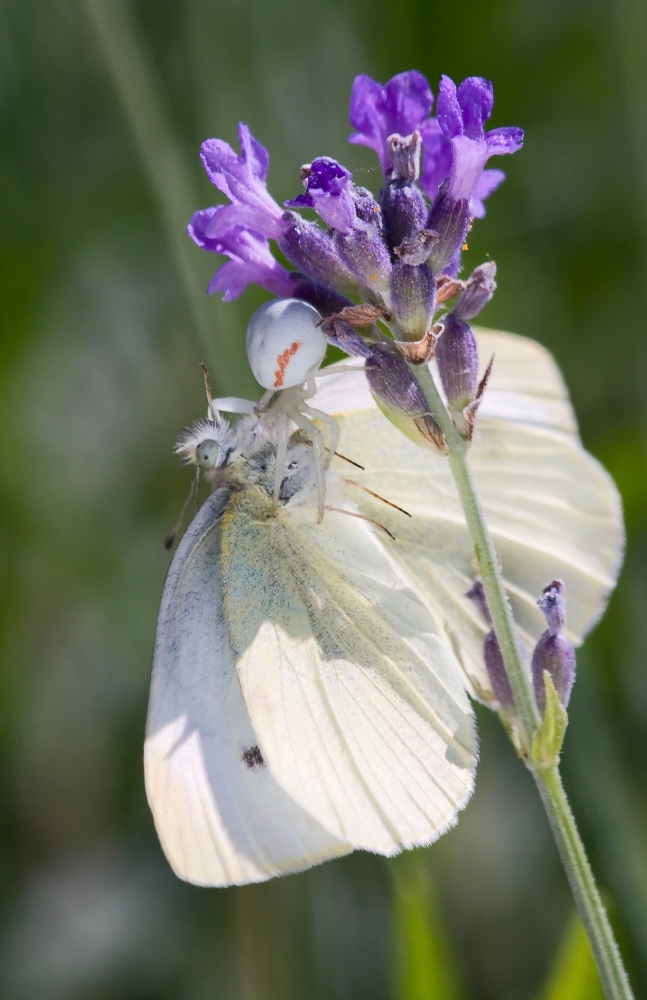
207 388
338 454
170 538
361 517
196 483
351 482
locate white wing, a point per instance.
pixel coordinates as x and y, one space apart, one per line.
355 695
552 509
220 815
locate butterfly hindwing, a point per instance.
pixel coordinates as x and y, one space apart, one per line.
221 817
552 509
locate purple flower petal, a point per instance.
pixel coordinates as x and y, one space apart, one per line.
407 102
487 183
476 98
234 277
470 157
377 112
448 110
329 192
504 140
251 258
242 180
436 157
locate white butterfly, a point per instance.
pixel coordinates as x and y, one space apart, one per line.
310 680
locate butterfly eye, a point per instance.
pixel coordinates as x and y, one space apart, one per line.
207 454
284 343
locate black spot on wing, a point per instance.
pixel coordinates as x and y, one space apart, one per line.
252 757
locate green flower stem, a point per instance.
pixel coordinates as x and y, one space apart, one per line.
613 976
578 870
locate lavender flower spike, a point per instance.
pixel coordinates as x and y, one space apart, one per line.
328 191
377 112
242 179
251 258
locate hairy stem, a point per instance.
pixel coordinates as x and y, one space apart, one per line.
613 976
578 870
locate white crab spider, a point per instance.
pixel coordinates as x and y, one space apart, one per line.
285 348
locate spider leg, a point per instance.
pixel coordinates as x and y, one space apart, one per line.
332 423
264 400
282 441
305 424
233 404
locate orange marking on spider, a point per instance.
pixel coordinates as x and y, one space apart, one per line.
283 360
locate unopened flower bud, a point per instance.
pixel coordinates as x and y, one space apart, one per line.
314 253
404 212
492 652
399 395
479 289
450 218
340 333
553 652
457 355
364 252
324 298
412 298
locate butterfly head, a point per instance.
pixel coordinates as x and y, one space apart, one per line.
207 443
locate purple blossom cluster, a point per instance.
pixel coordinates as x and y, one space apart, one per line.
401 252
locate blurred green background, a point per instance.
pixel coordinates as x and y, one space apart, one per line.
104 104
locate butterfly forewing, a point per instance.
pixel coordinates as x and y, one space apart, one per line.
353 691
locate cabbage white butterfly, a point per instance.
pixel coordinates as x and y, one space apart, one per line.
310 680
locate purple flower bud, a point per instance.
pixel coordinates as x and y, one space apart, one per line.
450 219
476 594
553 604
457 356
404 153
553 652
313 251
496 671
325 299
403 210
328 191
412 298
340 333
400 397
365 253
491 651
366 207
478 291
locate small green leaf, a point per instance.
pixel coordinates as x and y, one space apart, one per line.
547 741
424 966
574 975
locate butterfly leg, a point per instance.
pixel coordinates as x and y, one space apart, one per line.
332 423
305 424
282 442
